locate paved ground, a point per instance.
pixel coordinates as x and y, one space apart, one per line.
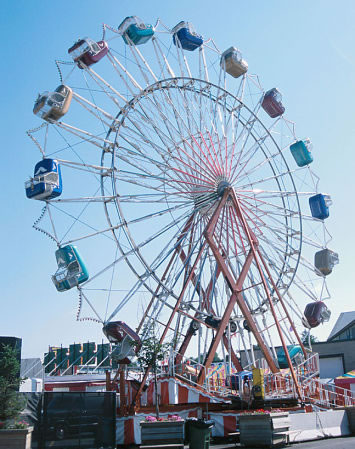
329 443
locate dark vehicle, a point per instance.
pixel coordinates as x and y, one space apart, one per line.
86 52
88 417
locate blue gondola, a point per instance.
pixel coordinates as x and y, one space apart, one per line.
133 29
295 353
324 261
186 36
46 182
319 205
71 268
301 152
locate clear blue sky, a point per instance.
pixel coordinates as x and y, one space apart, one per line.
306 48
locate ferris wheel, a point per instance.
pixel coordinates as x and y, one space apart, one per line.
179 195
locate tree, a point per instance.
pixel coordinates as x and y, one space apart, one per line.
306 337
10 403
150 355
217 359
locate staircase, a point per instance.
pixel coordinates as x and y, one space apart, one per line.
313 390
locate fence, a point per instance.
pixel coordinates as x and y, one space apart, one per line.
72 420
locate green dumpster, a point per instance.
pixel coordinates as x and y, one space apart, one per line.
199 433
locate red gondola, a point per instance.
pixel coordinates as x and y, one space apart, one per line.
86 52
315 314
127 341
272 103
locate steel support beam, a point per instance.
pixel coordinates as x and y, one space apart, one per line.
173 313
256 255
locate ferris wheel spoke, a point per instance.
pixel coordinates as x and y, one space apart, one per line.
52 222
150 198
268 160
264 180
242 163
84 199
202 61
208 172
93 108
181 59
81 293
100 81
118 67
77 219
100 170
160 55
103 88
81 133
262 203
286 267
299 283
142 169
174 183
155 105
256 145
88 105
160 151
135 221
164 139
71 147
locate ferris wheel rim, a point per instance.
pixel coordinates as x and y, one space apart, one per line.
173 83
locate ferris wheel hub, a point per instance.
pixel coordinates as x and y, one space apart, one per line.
222 186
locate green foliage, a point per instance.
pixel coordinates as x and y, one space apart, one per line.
217 359
10 403
149 356
305 340
152 352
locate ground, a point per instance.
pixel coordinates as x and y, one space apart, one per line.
333 443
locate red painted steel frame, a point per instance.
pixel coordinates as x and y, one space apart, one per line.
177 249
176 307
256 252
236 297
236 286
205 305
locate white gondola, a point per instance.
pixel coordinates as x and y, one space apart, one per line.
233 63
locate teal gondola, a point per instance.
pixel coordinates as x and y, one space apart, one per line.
71 268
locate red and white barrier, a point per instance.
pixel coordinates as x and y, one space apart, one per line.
173 391
129 432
